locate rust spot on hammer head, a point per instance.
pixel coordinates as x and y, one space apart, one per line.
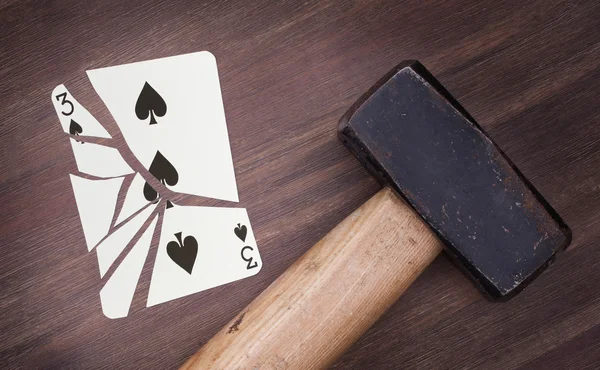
416 138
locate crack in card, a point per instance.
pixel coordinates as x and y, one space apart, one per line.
136 198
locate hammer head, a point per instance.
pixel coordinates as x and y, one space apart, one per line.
415 137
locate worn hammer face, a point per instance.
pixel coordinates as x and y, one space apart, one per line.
415 137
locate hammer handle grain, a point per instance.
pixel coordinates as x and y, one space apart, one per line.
328 298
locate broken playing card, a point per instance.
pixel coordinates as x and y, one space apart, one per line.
201 248
171 116
170 110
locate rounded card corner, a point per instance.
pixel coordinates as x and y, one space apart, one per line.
209 55
108 313
58 88
258 270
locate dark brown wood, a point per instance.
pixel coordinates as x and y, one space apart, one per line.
527 71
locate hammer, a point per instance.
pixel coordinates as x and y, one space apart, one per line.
446 185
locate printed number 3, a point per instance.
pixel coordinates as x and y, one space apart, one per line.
64 101
249 259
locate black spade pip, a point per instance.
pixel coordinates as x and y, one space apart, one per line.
164 172
183 253
241 231
75 128
150 103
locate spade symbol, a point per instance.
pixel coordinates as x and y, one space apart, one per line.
75 128
150 194
241 231
164 172
183 253
150 103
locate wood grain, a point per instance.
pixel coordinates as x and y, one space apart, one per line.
328 298
527 71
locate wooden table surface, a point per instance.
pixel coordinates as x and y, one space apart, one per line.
528 71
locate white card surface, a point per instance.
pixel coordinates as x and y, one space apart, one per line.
117 294
115 243
173 106
99 160
96 201
134 199
74 118
170 113
225 252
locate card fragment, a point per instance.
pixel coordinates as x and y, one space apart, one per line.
96 201
74 118
117 294
99 160
111 247
201 248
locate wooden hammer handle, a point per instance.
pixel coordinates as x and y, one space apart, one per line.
328 298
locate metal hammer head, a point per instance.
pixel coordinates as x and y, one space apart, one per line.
415 137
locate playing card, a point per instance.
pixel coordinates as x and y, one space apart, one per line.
171 115
201 248
74 118
96 201
134 199
111 247
99 160
117 294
